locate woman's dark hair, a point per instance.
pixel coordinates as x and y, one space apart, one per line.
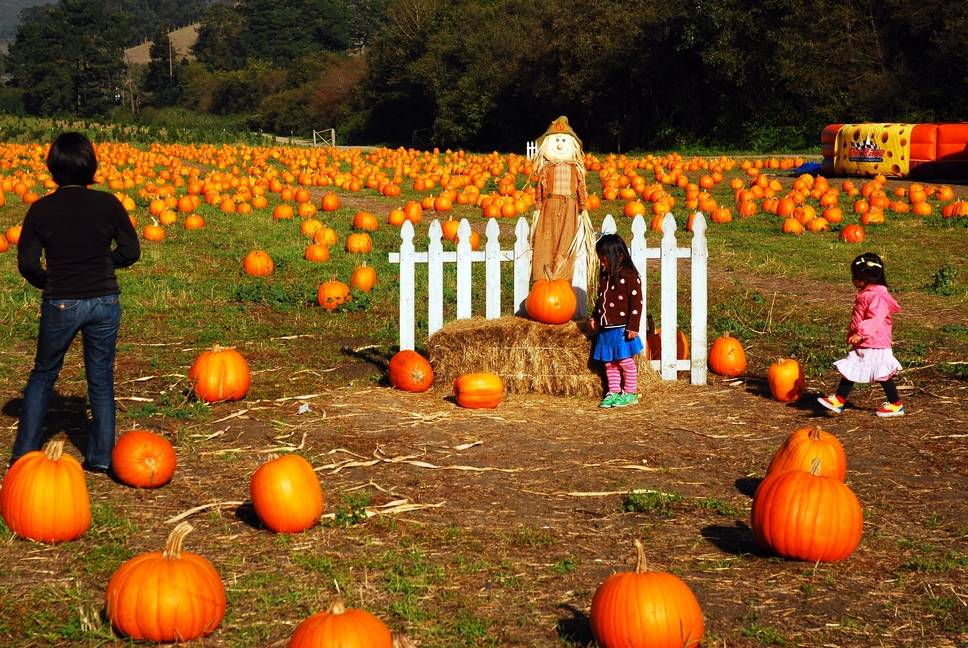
71 160
868 268
613 248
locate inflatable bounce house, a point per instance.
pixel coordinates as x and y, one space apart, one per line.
922 151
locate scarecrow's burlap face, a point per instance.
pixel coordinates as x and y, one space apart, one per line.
560 147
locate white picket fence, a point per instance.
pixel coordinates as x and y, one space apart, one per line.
668 254
530 149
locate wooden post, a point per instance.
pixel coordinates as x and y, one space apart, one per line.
668 289
435 279
638 251
699 292
407 324
463 269
492 270
522 265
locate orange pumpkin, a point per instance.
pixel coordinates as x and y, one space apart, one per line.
653 344
364 220
806 516
410 371
194 222
853 233
44 496
143 459
359 243
785 377
646 609
330 201
806 444
220 374
326 236
332 294
166 596
4 245
551 301
258 263
282 212
363 278
727 357
153 232
286 494
479 390
342 627
316 252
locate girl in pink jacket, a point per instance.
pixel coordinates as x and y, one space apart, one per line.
869 333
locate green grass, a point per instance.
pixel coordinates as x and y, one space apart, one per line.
651 502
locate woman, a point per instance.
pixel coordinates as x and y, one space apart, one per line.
74 228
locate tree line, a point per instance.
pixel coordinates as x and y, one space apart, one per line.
636 74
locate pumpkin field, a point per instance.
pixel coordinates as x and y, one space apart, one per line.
491 526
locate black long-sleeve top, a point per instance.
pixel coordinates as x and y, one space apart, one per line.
74 228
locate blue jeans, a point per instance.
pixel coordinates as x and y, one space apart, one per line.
60 319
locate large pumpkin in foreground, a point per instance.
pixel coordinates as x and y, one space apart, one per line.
166 596
805 516
44 496
479 390
286 494
806 444
220 374
726 357
551 301
341 627
143 459
410 371
644 609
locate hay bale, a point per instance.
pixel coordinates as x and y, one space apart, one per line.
527 355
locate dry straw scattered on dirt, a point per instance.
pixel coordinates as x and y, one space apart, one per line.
529 356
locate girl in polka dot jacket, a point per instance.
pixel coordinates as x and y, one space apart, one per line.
618 311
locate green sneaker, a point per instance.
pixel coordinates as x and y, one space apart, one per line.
611 399
625 400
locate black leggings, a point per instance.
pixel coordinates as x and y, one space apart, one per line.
890 389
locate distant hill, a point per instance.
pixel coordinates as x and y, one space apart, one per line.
182 41
10 16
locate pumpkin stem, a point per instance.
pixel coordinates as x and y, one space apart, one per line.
173 546
815 466
271 457
337 606
216 348
814 434
54 449
641 564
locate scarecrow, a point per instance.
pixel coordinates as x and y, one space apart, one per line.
560 226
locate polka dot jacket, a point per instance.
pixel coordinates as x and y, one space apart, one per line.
619 301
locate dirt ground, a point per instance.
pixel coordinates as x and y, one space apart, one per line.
535 488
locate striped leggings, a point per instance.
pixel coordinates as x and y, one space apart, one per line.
618 369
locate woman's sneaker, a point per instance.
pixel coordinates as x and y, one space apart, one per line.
891 409
611 399
833 403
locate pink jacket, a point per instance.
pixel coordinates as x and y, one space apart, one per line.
871 318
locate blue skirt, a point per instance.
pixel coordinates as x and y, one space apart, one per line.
611 345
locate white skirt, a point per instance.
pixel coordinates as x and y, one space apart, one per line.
869 365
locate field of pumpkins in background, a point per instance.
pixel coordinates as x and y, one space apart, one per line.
247 250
